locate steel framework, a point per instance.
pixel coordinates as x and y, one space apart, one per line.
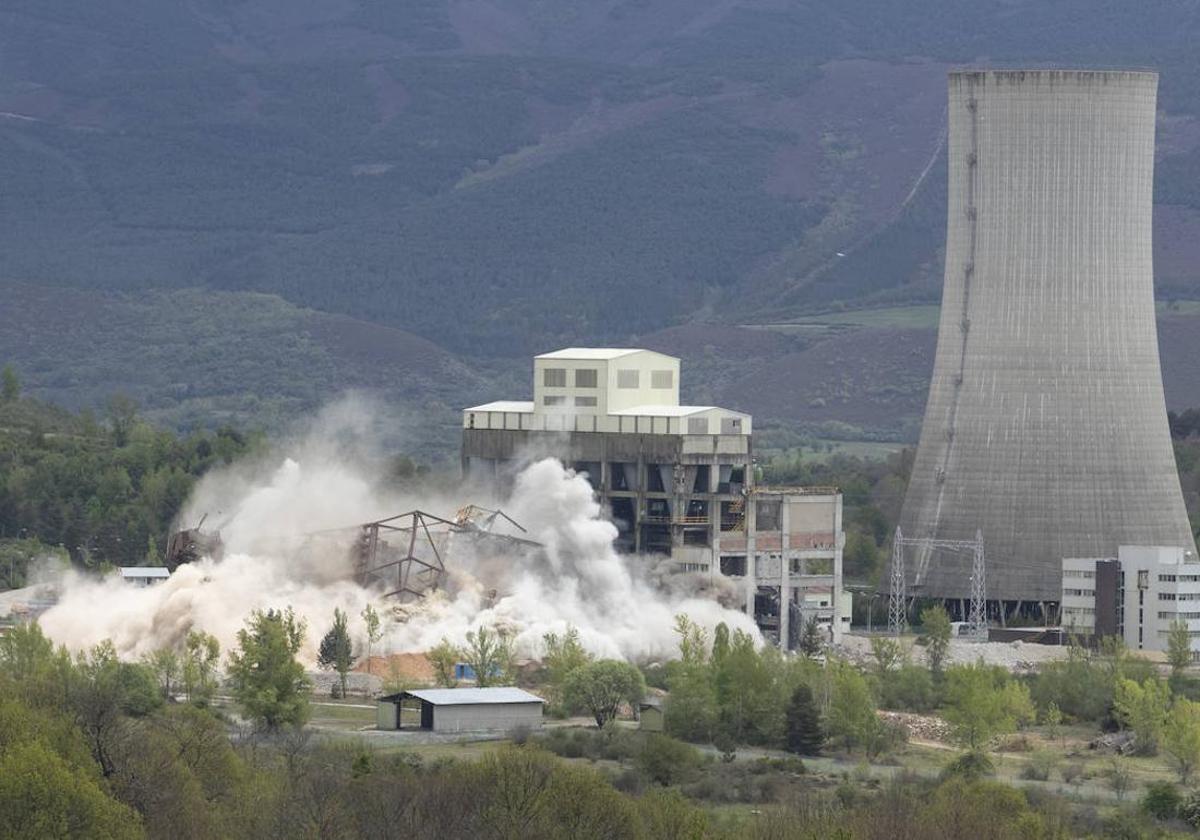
426 540
898 584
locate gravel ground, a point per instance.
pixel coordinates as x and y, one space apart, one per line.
1015 656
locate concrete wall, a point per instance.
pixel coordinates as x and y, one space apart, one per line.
609 393
487 717
1046 425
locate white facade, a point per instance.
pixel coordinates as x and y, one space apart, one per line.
1161 584
1079 595
1155 586
610 390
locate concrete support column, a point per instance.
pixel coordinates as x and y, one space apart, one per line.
785 577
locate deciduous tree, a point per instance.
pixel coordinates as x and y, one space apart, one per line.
373 627
1181 737
936 623
489 653
266 679
601 687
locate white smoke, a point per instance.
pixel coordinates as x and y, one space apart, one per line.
266 511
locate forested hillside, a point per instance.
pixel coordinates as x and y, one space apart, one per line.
503 176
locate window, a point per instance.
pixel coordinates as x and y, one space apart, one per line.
1163 578
585 401
733 565
1071 573
585 378
662 379
628 379
1080 593
554 400
1166 596
554 377
731 425
697 426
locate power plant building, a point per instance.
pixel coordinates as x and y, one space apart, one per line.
1046 426
676 480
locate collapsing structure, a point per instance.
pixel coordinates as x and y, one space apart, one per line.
1046 427
676 480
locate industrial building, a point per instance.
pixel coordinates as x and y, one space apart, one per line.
450 710
676 480
1137 595
1045 429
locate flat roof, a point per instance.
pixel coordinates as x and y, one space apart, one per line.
467 696
145 571
670 411
596 353
515 406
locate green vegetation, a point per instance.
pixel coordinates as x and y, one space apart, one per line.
101 492
337 650
264 675
602 688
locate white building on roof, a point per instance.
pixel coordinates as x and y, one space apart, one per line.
675 480
144 575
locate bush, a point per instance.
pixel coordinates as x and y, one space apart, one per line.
1040 765
1073 773
1162 800
910 689
666 761
520 734
1189 812
970 766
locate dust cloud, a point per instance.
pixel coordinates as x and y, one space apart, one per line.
284 519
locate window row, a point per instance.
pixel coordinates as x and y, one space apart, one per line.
589 378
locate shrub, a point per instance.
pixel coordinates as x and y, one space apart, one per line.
970 766
1073 773
666 761
1162 800
1189 811
1040 765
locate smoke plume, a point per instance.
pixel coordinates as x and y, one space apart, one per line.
283 519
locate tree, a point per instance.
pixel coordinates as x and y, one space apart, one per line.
337 651
490 655
1052 718
1119 778
164 663
201 652
122 416
265 677
1179 646
601 687
804 735
43 796
936 623
851 716
564 655
1181 737
810 637
444 656
371 623
1142 707
10 384
693 641
887 652
977 706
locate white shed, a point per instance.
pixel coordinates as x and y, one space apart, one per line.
461 709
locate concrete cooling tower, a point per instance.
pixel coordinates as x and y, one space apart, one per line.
1046 426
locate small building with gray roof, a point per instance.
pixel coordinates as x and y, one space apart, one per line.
450 710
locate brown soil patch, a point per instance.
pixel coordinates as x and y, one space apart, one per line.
413 667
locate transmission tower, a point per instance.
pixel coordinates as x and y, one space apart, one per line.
897 596
977 618
898 591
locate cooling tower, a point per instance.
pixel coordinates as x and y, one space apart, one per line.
1046 426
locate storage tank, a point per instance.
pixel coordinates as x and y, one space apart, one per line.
1046 426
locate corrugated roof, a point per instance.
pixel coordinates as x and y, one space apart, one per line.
596 353
145 571
468 696
518 406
